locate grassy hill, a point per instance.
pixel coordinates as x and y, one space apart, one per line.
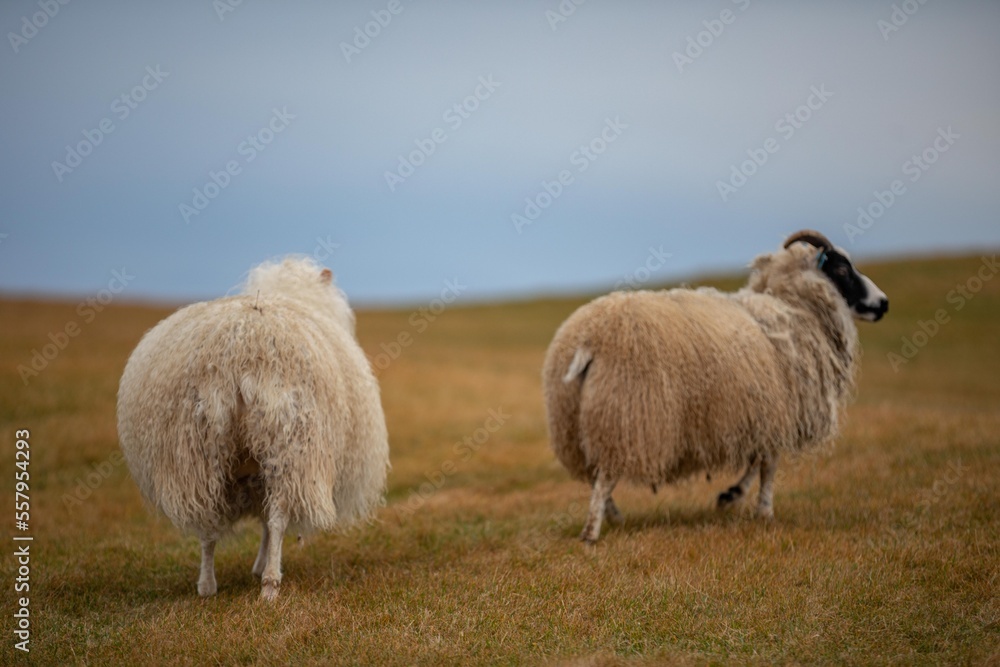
884 549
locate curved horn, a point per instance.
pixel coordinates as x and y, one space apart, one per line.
811 237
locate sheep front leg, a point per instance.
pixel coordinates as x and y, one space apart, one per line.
737 491
261 562
206 579
599 498
768 466
270 579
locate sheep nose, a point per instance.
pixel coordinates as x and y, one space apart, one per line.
882 308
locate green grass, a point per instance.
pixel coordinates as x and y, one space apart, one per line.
884 548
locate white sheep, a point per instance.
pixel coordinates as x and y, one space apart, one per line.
652 387
261 404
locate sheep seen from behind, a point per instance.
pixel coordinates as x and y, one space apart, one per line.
652 387
261 404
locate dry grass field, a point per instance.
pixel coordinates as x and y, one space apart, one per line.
885 548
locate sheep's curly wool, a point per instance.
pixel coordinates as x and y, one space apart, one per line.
655 386
256 402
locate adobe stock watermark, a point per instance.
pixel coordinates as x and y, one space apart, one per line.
898 17
539 539
87 311
462 451
928 498
248 149
419 320
325 249
95 477
562 12
454 116
121 108
30 25
364 34
581 158
223 7
786 127
957 298
698 43
642 274
915 167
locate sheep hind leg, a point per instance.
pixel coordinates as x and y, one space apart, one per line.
206 578
737 491
612 514
261 562
270 578
768 466
603 486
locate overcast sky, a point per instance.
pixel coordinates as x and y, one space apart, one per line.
185 142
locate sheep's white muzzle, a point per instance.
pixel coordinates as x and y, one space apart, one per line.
874 305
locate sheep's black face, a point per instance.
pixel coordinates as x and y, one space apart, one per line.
866 300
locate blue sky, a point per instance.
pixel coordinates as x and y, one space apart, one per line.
703 131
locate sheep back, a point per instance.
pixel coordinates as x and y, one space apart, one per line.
678 381
221 389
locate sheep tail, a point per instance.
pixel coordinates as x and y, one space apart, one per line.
578 367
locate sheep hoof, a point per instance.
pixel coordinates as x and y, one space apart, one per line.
269 590
589 535
765 513
207 588
730 497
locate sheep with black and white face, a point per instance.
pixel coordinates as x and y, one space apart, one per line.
651 387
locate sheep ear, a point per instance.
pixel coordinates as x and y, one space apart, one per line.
326 276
